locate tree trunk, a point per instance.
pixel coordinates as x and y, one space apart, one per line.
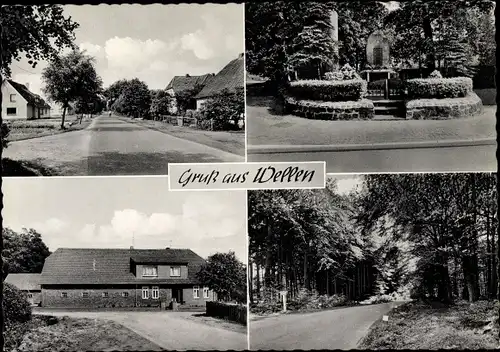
431 55
469 264
258 281
250 280
306 276
63 117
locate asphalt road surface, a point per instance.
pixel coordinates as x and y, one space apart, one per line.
440 159
340 328
110 146
168 330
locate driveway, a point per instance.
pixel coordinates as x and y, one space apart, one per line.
110 146
170 330
333 329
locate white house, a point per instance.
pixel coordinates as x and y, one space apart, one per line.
18 102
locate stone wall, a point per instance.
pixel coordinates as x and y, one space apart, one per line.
346 110
440 109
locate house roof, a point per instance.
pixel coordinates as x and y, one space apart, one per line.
31 98
24 281
113 266
231 77
182 83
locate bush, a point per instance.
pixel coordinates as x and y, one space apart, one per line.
16 307
438 88
307 300
344 74
5 131
349 90
223 109
435 74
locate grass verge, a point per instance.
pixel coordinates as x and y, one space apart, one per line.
11 168
232 142
417 325
69 334
28 129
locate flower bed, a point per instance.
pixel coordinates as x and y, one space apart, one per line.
326 110
439 109
438 88
327 90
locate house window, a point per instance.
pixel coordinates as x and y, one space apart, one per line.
64 294
155 292
196 292
105 294
175 271
205 292
12 98
124 294
150 271
85 294
145 292
11 111
30 295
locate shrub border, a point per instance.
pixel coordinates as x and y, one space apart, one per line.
442 109
335 91
321 110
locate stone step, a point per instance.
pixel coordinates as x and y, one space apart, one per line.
388 110
388 118
388 103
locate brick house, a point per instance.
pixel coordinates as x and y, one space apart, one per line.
28 283
180 84
18 102
230 78
97 278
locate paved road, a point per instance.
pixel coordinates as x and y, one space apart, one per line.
169 330
110 146
333 329
443 159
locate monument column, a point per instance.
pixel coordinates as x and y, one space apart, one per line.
334 34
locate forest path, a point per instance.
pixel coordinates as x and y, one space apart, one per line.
332 329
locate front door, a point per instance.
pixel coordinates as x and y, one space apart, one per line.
177 295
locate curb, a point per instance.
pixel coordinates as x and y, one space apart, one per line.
275 149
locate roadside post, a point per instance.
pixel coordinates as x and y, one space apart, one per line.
283 298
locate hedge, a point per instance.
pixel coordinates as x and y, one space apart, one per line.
438 88
16 308
324 90
232 312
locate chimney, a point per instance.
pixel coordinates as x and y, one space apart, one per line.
240 56
131 247
187 75
27 85
167 248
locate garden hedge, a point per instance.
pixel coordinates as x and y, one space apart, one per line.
16 308
325 90
438 88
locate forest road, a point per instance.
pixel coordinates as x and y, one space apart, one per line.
341 328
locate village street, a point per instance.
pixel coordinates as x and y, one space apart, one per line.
111 146
169 330
340 328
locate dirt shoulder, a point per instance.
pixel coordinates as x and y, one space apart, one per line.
421 326
75 334
215 322
264 128
232 142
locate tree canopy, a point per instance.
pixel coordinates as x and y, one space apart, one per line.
225 275
23 252
130 97
39 32
71 78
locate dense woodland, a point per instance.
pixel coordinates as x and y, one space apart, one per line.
283 36
425 236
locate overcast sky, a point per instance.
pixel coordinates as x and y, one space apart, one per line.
151 42
110 212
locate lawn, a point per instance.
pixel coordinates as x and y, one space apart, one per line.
266 128
422 326
70 334
26 129
232 142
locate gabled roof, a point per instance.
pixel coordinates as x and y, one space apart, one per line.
31 98
24 281
182 83
231 77
113 266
